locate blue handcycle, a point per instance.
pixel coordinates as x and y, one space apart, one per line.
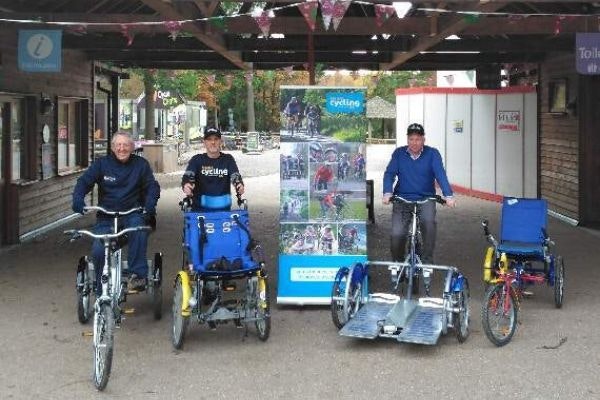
400 314
223 277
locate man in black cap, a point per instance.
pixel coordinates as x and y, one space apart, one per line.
209 176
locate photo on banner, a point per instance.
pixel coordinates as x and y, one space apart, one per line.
323 189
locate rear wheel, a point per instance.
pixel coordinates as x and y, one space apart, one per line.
84 291
157 297
499 314
103 345
180 322
559 281
461 324
263 309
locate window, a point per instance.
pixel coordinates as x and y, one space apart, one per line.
13 126
72 135
557 102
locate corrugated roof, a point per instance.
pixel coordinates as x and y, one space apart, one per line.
380 108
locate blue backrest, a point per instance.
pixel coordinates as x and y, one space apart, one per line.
522 220
224 238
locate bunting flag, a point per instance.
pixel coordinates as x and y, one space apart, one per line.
263 19
472 18
383 12
79 29
327 7
127 34
249 75
173 27
219 23
211 79
339 10
557 24
309 10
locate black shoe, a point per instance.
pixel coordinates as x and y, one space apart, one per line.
136 283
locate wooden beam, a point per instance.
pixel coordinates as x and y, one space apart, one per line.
456 26
214 42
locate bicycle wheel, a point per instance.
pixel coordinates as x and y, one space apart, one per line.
157 297
559 281
84 291
499 314
180 322
346 299
461 324
103 344
263 309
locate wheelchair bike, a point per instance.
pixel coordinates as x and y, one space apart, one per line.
108 312
522 257
401 314
219 254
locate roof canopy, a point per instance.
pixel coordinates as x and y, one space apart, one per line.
380 108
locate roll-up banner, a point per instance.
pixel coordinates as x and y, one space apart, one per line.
322 207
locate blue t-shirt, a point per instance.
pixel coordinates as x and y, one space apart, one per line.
415 178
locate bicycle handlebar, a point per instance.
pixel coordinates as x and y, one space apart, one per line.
105 236
112 213
437 198
486 232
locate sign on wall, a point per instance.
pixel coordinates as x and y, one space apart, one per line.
40 50
323 189
508 122
587 53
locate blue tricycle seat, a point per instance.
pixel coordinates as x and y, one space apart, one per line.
523 227
218 242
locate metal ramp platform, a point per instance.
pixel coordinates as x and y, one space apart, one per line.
365 324
424 326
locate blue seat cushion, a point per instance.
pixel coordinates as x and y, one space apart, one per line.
521 249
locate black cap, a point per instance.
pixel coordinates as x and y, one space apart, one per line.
211 131
415 129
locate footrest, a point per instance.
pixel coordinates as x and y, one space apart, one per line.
423 327
365 323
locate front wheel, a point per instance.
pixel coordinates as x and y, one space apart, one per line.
461 324
346 298
157 297
559 281
499 314
263 309
180 322
84 291
103 344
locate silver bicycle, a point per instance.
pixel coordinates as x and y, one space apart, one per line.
107 307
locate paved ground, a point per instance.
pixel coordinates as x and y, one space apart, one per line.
44 355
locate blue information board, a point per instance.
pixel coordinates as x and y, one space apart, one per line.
40 50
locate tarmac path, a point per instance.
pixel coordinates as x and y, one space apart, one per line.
43 354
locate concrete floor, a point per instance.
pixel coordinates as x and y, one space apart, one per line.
44 355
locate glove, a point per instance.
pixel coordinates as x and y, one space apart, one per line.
150 220
78 206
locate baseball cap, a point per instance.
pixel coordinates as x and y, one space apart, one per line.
211 131
415 128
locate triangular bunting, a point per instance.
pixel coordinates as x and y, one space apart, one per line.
339 10
309 11
263 19
327 7
383 12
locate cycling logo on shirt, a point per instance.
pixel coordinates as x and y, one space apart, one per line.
208 170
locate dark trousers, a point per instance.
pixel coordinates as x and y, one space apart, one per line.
401 223
137 244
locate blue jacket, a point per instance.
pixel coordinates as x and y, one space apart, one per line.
121 186
415 179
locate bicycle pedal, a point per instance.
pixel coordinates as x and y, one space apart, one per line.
87 334
128 311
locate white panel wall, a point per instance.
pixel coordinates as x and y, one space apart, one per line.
416 109
509 150
402 105
483 155
435 126
530 145
458 144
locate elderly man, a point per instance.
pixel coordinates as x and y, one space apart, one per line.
125 181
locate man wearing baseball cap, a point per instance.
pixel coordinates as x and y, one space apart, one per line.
415 169
208 176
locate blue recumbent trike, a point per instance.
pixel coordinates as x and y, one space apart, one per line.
219 254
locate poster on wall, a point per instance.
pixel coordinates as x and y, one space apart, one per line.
509 122
323 189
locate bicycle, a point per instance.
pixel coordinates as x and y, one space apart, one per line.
107 307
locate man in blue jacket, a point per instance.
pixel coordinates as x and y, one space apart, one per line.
125 181
415 168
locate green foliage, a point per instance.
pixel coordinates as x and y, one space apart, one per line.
387 83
